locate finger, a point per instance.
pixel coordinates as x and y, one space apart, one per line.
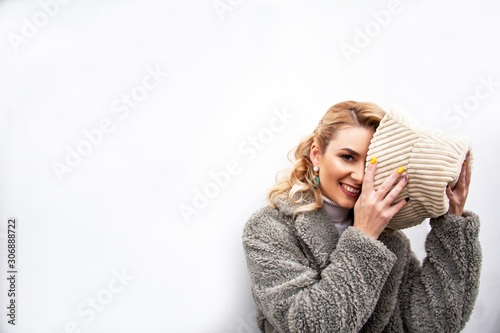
449 194
387 184
396 190
397 207
469 170
369 175
460 185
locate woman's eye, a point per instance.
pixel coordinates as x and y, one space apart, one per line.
347 157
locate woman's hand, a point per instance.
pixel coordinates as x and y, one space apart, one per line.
373 210
458 195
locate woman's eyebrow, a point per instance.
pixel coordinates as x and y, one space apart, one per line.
350 151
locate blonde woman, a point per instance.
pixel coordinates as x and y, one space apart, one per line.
320 256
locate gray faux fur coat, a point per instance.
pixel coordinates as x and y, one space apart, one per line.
305 278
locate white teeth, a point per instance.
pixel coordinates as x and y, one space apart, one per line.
350 189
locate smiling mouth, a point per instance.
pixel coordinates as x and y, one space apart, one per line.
350 189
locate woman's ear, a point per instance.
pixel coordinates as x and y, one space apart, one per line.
315 153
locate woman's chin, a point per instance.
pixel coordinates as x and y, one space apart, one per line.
341 199
346 202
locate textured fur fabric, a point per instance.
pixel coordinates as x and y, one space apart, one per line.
306 278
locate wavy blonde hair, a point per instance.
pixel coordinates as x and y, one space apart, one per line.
296 183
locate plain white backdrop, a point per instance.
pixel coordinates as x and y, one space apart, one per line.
137 137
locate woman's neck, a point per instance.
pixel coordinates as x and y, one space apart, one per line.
337 214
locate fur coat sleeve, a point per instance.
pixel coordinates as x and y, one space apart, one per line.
306 278
439 295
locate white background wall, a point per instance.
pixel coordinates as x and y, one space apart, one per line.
232 66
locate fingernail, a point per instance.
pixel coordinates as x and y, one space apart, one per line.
464 163
407 199
447 185
374 160
400 170
407 177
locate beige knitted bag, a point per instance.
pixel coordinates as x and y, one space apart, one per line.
432 161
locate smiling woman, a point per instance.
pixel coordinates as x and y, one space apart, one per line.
319 259
337 148
341 168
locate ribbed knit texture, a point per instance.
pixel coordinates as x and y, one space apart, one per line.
432 161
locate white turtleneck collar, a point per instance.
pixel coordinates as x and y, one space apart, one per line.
341 217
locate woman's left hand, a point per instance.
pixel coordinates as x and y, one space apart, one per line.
458 195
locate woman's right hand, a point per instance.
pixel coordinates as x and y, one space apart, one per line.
373 210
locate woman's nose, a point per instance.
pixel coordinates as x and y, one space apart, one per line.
358 172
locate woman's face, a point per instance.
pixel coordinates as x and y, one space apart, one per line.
342 166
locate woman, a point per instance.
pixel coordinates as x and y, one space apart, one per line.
321 259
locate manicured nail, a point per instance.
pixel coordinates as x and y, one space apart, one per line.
464 163
400 170
407 177
447 185
374 160
407 199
